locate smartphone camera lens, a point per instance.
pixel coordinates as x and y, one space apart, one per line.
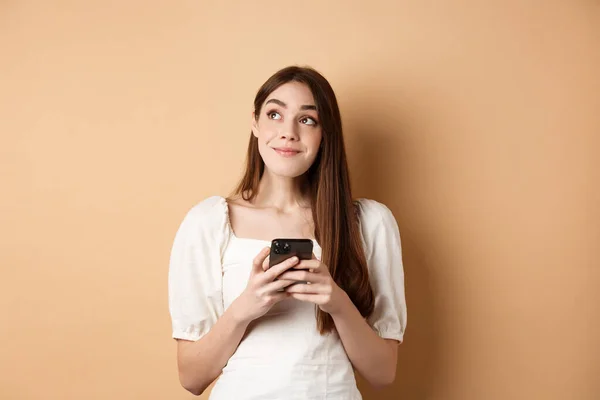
286 248
277 247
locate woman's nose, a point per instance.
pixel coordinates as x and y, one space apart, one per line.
289 132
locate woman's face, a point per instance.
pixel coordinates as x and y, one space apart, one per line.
288 130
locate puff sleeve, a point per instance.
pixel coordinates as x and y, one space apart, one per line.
195 277
383 250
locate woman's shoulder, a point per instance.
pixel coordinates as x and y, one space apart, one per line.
372 211
208 212
208 205
377 224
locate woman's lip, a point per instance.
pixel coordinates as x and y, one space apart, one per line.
286 152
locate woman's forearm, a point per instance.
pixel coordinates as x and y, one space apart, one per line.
202 361
372 356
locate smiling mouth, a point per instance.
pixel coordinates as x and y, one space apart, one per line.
286 152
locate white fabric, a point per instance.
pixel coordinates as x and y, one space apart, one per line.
282 355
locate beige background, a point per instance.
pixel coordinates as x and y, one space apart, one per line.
476 122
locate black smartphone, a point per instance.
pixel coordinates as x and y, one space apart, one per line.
282 249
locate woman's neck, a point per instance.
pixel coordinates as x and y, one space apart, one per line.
282 193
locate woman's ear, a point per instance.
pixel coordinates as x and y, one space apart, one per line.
254 125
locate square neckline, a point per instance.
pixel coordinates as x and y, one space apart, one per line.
233 235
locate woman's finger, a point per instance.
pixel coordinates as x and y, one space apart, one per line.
301 276
259 259
278 285
304 288
280 268
309 264
265 264
308 298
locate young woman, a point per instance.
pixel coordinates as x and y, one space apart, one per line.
299 329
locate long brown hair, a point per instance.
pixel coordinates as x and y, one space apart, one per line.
334 213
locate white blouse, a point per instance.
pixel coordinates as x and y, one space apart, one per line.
282 355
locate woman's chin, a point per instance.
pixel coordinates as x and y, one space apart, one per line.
288 172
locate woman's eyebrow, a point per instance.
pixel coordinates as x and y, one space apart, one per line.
282 104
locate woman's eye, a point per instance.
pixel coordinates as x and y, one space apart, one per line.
308 121
274 115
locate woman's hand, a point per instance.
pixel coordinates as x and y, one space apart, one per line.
263 290
315 285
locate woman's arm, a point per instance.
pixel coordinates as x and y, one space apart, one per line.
201 362
373 357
